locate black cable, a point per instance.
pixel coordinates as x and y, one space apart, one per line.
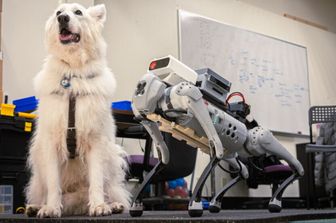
142 149
255 166
164 114
229 171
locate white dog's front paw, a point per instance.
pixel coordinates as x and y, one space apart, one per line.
49 212
117 207
100 210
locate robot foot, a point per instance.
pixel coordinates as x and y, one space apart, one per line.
214 208
274 206
195 209
136 210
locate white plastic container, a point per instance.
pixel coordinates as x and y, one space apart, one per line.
6 199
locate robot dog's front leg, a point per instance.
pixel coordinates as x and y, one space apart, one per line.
148 92
152 128
186 97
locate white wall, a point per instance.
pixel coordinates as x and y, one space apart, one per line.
321 12
138 30
22 43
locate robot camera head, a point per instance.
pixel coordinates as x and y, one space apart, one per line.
172 71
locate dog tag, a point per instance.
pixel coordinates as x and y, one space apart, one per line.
65 82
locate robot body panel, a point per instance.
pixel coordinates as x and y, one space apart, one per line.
149 90
253 142
232 132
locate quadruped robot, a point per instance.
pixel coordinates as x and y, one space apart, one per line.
195 99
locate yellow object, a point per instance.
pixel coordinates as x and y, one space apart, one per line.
28 127
26 115
7 109
20 210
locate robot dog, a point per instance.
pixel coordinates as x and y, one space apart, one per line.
192 104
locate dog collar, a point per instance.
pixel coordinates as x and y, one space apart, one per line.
66 80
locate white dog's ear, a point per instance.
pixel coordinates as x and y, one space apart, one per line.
98 12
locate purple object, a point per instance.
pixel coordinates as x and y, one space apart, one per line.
277 168
138 159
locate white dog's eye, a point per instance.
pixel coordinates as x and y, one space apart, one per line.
78 12
58 12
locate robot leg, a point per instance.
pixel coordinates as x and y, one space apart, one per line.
152 128
188 97
261 141
275 203
195 208
216 201
235 163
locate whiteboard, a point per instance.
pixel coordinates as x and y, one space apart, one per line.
271 73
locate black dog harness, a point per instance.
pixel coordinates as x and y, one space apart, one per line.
71 132
71 138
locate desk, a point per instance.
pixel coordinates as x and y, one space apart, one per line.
125 121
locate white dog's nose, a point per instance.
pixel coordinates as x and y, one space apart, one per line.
63 19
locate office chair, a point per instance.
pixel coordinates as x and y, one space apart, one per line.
181 164
268 170
324 147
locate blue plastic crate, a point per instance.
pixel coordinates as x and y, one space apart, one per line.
25 104
122 105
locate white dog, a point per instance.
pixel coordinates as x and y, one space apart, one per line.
93 182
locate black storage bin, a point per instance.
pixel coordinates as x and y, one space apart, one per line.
14 139
15 134
13 172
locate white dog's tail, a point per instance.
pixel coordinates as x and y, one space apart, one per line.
116 189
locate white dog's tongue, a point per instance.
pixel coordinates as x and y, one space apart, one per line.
65 37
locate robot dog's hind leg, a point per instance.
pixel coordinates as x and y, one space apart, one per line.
215 204
262 140
275 202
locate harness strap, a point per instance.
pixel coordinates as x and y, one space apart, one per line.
71 132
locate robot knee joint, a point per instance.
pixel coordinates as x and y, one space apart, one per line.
187 89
